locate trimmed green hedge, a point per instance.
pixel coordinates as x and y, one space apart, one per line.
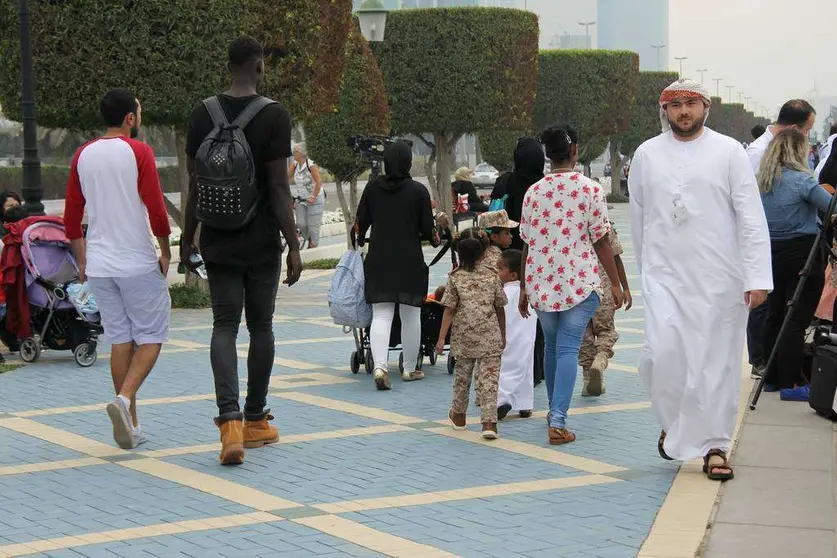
591 90
460 70
54 180
645 122
733 120
497 148
171 53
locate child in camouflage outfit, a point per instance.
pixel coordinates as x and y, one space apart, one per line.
601 336
474 304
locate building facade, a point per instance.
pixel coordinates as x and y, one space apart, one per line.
636 25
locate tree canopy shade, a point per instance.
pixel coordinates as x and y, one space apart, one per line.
591 90
498 146
362 110
171 53
459 70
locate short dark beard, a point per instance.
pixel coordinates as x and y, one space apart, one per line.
691 132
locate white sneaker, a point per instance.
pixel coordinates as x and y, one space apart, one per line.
123 428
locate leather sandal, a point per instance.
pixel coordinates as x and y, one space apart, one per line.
560 436
712 472
660 443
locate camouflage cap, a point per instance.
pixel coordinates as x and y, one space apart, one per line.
497 220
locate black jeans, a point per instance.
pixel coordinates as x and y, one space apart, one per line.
252 289
789 258
756 325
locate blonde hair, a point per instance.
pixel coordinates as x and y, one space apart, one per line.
788 150
463 173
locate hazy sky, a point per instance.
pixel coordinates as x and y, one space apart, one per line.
742 41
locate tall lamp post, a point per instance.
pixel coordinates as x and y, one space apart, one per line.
32 190
659 49
681 59
587 25
701 72
718 86
729 96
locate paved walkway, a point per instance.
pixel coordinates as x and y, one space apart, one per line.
357 472
783 501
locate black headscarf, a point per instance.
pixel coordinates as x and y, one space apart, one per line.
529 161
398 160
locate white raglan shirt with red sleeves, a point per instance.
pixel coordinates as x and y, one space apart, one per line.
117 180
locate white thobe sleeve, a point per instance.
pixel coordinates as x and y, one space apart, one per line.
635 182
753 235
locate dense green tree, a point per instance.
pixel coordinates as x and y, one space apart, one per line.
455 71
362 110
591 90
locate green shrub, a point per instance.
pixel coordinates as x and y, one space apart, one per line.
327 263
9 367
189 296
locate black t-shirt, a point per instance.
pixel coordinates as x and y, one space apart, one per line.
269 136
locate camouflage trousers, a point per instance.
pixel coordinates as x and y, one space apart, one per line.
601 335
487 373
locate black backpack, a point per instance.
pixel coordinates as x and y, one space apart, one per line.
228 194
824 381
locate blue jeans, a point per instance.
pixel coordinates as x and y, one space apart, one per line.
563 332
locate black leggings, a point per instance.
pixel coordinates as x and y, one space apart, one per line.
789 258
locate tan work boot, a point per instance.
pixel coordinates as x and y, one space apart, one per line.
259 433
232 442
595 378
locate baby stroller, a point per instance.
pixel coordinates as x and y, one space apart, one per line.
431 324
59 322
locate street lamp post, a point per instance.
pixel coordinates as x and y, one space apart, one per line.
718 86
681 59
740 97
587 25
31 190
701 72
729 95
747 103
659 49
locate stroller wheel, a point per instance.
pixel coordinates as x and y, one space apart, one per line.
451 364
30 350
433 358
401 363
354 363
370 365
85 355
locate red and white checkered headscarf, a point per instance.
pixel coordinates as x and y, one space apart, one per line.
683 88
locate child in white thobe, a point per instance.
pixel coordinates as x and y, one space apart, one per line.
517 390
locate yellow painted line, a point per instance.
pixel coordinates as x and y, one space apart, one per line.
101 406
533 451
630 330
210 484
284 440
359 534
625 346
283 381
289 363
487 491
309 341
315 274
51 466
622 368
680 526
120 535
186 344
352 408
60 437
629 321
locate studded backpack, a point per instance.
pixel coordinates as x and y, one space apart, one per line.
228 194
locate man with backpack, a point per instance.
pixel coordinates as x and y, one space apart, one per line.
237 146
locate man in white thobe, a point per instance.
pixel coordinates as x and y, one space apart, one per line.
825 151
703 248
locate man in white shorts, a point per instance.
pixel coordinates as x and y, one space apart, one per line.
115 177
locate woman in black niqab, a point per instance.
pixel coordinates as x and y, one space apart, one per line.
400 215
529 161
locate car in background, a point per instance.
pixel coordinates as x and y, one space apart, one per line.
485 176
607 170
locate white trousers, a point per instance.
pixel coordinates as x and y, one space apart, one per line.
382 315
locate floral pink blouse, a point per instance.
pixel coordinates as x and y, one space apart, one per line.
563 216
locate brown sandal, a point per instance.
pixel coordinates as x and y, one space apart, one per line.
560 436
711 470
660 443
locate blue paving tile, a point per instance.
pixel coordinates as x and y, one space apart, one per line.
19 449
